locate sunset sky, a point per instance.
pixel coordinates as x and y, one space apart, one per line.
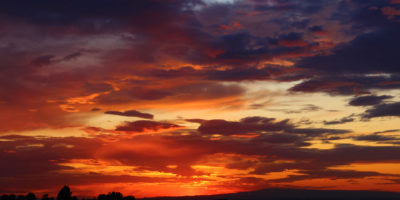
193 97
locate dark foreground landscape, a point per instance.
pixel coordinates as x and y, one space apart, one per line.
267 194
284 194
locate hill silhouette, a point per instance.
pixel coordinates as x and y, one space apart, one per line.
293 194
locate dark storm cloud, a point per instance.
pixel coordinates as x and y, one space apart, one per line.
375 138
364 15
259 125
347 84
292 39
191 42
368 100
143 125
290 12
316 29
234 47
245 125
368 53
131 113
340 121
103 14
241 48
383 110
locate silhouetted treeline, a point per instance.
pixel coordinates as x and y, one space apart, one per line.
66 194
29 196
266 194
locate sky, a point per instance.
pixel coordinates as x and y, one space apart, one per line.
195 97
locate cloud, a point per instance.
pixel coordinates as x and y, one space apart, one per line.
387 131
307 108
330 174
368 100
346 69
188 55
245 125
367 53
231 74
292 39
132 94
72 56
348 84
155 152
43 60
317 30
383 110
77 148
259 125
144 125
283 138
340 121
173 93
131 113
374 138
79 14
317 131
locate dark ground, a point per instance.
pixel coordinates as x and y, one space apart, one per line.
293 194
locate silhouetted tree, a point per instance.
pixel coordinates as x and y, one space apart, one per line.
12 197
129 198
21 197
102 197
30 196
114 196
64 194
4 197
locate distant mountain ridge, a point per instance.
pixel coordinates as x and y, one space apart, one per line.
293 194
